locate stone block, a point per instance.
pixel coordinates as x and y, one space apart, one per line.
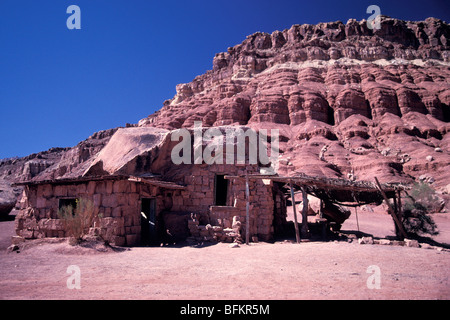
100 187
122 199
109 187
16 240
226 223
263 230
47 190
119 241
30 224
128 220
60 191
109 201
365 240
135 229
119 231
426 246
133 199
120 186
82 188
97 200
132 239
72 191
411 243
91 187
382 241
41 203
26 233
107 222
107 212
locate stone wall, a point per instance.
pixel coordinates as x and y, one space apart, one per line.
202 233
198 197
116 204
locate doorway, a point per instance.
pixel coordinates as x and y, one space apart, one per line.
148 222
221 190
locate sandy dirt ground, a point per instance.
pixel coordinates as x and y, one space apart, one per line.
282 270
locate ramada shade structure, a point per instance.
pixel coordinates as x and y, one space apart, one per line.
339 191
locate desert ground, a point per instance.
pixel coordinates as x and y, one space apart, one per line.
336 269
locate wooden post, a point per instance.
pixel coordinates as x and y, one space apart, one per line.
304 213
357 221
399 202
399 206
356 209
394 202
297 234
321 209
391 211
247 210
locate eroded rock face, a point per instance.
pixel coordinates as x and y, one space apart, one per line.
344 88
7 199
348 101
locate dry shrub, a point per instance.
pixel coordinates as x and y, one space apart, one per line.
416 219
78 220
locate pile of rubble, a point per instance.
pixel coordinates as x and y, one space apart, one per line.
406 243
209 233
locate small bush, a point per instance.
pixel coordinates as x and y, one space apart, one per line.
421 201
78 220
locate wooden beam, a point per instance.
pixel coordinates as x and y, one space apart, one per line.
399 205
331 183
247 211
400 209
297 233
305 230
391 211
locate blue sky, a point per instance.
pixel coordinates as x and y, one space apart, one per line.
59 86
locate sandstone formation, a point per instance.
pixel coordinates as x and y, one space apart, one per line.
47 165
377 101
348 102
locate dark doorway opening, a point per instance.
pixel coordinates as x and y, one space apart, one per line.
221 190
148 222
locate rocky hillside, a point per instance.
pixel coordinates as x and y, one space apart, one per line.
50 164
349 102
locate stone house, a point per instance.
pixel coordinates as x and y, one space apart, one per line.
141 198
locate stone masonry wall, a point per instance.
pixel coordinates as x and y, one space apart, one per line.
116 203
198 197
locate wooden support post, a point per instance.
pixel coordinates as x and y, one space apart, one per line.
247 210
399 207
305 230
297 234
394 202
321 209
391 211
356 209
356 214
399 202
